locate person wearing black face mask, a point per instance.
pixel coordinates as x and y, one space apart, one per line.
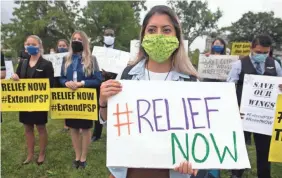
80 69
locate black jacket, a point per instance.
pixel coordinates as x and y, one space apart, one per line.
44 69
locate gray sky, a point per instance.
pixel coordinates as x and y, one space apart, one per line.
232 11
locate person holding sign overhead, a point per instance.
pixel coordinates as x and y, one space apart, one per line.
62 47
80 69
257 63
34 67
162 57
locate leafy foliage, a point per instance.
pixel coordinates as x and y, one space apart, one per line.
50 20
197 19
252 24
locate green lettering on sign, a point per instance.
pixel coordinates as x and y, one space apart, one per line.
226 149
175 139
194 150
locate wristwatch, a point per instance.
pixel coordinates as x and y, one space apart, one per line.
83 82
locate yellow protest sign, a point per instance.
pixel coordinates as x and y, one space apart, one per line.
79 104
241 49
25 95
275 152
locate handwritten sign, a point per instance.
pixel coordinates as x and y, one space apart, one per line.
135 45
275 153
258 102
241 49
25 95
111 60
57 60
215 66
155 129
9 69
79 104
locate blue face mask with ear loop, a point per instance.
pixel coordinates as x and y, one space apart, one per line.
32 50
259 58
217 48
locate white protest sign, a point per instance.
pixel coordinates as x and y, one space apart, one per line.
215 66
259 102
111 60
135 44
148 127
9 69
57 60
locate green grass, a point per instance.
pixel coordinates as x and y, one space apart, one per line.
58 163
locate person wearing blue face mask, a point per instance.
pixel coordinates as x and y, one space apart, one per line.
62 47
34 67
257 63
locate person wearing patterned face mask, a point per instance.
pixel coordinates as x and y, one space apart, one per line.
257 63
161 57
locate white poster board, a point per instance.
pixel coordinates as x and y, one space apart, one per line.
259 102
160 123
9 69
57 60
111 60
215 66
135 44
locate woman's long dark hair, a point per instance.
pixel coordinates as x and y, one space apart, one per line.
165 10
224 46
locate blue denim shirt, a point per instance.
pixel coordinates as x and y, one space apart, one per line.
92 81
138 72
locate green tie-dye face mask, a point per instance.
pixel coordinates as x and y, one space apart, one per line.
160 47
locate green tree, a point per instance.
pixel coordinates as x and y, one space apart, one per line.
47 19
121 16
196 18
252 24
195 57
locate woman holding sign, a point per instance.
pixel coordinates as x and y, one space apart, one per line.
34 67
161 57
80 69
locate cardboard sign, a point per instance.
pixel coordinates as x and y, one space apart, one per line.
79 104
111 60
275 152
215 66
148 127
57 60
241 49
9 69
25 95
258 102
135 45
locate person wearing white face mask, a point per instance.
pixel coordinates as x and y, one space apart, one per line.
109 38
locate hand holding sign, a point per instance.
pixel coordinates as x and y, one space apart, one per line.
15 77
186 168
108 89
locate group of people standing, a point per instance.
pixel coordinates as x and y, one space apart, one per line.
161 57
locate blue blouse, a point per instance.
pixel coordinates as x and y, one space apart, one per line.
92 81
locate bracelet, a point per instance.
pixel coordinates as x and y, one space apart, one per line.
103 106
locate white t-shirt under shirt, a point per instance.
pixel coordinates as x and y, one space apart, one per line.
153 76
157 76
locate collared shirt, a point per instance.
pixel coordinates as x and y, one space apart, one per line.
138 73
237 67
